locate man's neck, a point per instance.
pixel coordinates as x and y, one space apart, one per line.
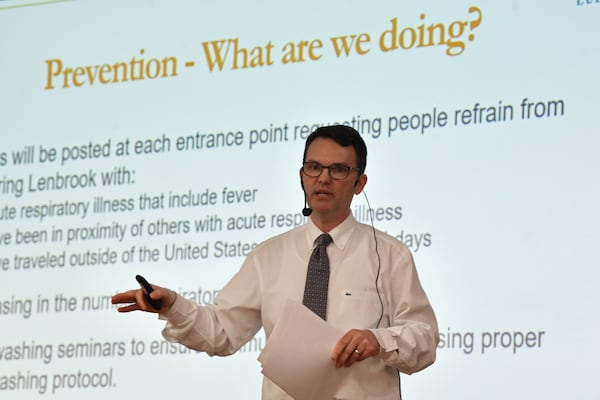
326 223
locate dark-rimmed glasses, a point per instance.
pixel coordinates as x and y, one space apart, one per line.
336 171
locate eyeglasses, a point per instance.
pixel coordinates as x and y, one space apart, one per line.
336 171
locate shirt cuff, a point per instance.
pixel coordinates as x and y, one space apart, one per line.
179 312
386 341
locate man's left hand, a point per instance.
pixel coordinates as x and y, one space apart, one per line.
356 345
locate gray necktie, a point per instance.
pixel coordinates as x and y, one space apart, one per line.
317 277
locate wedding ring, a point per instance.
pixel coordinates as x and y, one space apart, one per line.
357 352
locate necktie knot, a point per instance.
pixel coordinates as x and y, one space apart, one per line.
323 240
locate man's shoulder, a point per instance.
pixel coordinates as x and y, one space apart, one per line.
384 238
280 239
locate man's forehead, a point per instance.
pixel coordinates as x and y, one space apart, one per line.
329 148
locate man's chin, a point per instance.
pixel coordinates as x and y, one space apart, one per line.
321 208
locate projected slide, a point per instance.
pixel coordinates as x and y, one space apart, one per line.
165 139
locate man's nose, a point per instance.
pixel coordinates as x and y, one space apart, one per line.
325 176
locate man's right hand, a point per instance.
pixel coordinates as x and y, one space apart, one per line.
135 300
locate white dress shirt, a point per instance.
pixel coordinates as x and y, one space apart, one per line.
373 285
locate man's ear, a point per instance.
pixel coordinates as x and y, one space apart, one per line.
360 183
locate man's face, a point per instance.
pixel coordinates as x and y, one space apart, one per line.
329 198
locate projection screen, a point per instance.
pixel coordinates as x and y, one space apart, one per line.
165 139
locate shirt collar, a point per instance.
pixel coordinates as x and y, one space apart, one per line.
340 234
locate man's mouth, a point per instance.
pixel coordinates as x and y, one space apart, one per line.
322 193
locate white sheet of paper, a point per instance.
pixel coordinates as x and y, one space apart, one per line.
297 356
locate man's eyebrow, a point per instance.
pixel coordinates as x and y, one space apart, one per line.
334 163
